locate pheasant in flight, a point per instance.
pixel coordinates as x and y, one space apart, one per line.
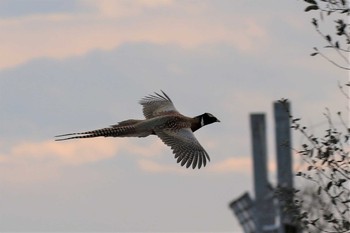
163 120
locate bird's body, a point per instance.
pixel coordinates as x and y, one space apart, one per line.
163 120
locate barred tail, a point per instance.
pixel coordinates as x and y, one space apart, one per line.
124 131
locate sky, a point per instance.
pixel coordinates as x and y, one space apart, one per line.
70 66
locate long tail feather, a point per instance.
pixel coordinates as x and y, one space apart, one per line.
123 131
65 135
76 137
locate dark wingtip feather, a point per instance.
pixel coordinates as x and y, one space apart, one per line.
184 160
204 161
206 155
156 95
200 160
194 162
166 96
197 160
189 162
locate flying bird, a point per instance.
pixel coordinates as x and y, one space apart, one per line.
163 120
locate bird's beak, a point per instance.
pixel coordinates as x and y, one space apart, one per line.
217 120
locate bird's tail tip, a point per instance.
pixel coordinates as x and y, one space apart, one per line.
63 137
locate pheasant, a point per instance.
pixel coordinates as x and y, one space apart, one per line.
163 120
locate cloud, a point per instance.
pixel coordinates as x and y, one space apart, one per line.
19 8
109 24
230 165
31 162
235 164
118 9
155 167
77 152
70 152
152 149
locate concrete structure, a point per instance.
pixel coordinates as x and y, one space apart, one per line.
243 207
266 213
283 145
284 159
263 191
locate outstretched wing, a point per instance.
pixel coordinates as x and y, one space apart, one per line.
157 104
185 146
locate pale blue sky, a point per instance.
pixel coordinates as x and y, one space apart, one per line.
85 64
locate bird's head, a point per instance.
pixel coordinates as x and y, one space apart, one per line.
208 118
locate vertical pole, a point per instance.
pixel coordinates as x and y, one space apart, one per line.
284 159
283 145
258 133
263 202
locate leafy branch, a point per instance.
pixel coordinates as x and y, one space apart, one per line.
327 175
339 9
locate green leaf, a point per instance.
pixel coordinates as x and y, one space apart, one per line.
313 54
311 7
329 38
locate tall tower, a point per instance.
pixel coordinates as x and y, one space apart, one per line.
283 145
284 160
265 213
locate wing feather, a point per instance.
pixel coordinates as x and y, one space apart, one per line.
195 160
185 146
157 104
